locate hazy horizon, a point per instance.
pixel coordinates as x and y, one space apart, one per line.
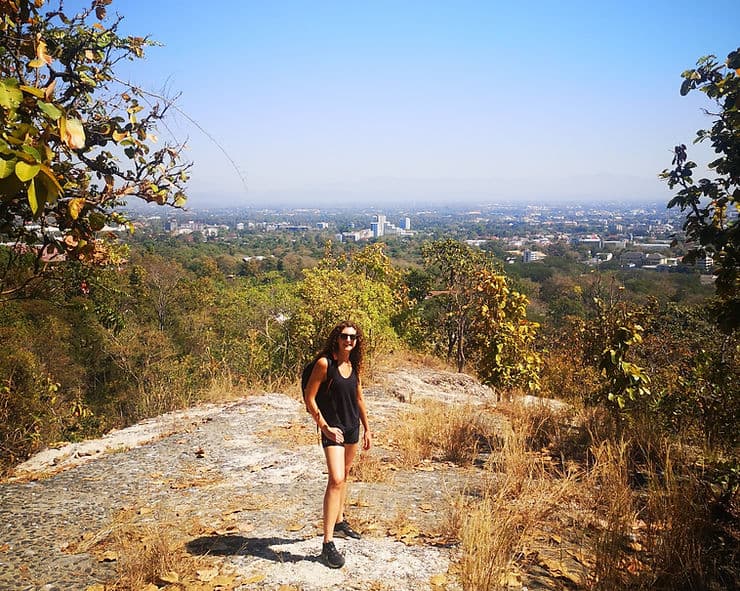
325 102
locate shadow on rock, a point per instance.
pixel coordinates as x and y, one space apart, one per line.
241 546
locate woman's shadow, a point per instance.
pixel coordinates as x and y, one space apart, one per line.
230 545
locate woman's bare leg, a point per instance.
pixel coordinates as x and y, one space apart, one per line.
350 449
334 495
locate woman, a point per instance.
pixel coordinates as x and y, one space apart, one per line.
338 411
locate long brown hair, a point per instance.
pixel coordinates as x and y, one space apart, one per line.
332 344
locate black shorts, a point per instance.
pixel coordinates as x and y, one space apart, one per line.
350 436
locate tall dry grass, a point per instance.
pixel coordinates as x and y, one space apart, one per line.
518 495
436 431
614 514
632 501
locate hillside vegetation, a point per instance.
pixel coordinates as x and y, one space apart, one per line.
652 383
99 333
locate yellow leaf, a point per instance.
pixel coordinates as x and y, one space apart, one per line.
52 185
41 52
73 133
296 526
25 172
119 135
226 580
32 201
96 587
75 207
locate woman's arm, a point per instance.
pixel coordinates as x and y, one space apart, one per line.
367 435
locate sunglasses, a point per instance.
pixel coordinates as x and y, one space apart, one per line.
347 337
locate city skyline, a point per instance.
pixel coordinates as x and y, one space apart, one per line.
385 103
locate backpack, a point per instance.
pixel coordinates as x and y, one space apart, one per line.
306 375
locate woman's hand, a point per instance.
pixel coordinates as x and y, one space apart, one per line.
367 440
334 433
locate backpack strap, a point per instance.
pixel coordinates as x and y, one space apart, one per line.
329 381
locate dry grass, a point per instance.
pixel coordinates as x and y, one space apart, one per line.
615 514
404 358
149 550
368 467
435 431
518 495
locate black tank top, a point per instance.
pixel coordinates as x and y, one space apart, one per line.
339 406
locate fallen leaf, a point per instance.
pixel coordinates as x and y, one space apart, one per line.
226 580
438 580
556 538
207 574
426 508
556 566
145 511
296 526
109 556
4 547
170 577
96 587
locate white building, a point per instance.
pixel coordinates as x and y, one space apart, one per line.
378 226
531 256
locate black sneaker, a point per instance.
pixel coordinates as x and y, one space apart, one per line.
343 529
330 556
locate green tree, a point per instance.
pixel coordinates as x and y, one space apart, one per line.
455 267
339 289
712 205
503 336
75 141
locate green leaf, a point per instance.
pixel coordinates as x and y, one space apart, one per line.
32 151
26 172
10 94
97 221
37 92
7 167
50 110
49 182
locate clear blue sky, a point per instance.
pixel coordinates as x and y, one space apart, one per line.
412 102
